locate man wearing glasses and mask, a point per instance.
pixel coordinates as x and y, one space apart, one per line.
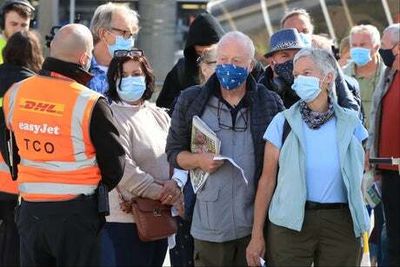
238 110
114 27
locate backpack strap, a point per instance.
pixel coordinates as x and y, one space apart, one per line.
286 131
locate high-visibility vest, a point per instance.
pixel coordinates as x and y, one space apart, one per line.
3 43
7 185
50 118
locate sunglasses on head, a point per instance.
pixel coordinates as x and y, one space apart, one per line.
129 53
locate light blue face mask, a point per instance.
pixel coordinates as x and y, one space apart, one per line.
131 88
360 55
306 38
306 87
121 44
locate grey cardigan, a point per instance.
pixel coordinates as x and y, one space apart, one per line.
383 86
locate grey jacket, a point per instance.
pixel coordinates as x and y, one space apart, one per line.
383 86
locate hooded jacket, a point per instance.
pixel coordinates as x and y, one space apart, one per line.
204 30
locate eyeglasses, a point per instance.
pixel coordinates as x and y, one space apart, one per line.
202 60
123 33
231 127
129 53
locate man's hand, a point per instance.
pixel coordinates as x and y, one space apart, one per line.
207 163
169 193
255 250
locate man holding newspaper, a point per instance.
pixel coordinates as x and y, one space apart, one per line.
229 115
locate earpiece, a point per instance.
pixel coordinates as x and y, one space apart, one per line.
9 3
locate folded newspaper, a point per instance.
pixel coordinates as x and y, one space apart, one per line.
204 140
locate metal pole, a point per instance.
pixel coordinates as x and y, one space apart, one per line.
71 11
387 12
47 16
328 19
347 13
267 20
157 36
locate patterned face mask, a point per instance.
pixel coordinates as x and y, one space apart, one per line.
285 71
231 76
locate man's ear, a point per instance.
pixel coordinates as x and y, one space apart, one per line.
376 48
396 49
252 64
102 34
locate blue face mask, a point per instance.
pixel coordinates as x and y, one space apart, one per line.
231 76
131 88
306 87
360 55
306 38
121 44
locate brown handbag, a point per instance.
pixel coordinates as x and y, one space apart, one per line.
153 219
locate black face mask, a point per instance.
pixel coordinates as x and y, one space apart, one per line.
387 56
285 71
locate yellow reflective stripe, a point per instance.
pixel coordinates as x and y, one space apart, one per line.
4 167
56 189
1 102
60 165
78 115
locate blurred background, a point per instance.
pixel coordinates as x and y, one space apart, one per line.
164 23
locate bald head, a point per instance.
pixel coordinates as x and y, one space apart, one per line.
71 43
239 40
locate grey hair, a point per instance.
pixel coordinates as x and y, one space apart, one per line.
209 55
102 18
324 61
370 29
236 35
394 32
297 12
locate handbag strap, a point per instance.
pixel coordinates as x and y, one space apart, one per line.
120 194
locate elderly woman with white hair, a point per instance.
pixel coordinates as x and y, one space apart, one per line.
311 179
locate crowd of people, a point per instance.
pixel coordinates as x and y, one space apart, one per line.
80 138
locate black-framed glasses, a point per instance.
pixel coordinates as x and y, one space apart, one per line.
129 53
233 127
123 33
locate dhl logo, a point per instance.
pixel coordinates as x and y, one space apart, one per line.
42 107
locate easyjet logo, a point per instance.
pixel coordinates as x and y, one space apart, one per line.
43 107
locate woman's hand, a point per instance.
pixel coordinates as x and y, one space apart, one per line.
255 250
180 206
126 206
169 193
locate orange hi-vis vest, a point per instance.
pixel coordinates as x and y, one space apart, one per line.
50 118
7 185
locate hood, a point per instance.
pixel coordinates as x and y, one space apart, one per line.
204 30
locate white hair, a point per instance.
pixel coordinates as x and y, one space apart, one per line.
370 29
102 17
298 12
324 61
394 32
241 37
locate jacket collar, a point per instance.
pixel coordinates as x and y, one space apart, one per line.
347 121
67 69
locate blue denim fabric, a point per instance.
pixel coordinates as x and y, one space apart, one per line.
99 82
121 246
